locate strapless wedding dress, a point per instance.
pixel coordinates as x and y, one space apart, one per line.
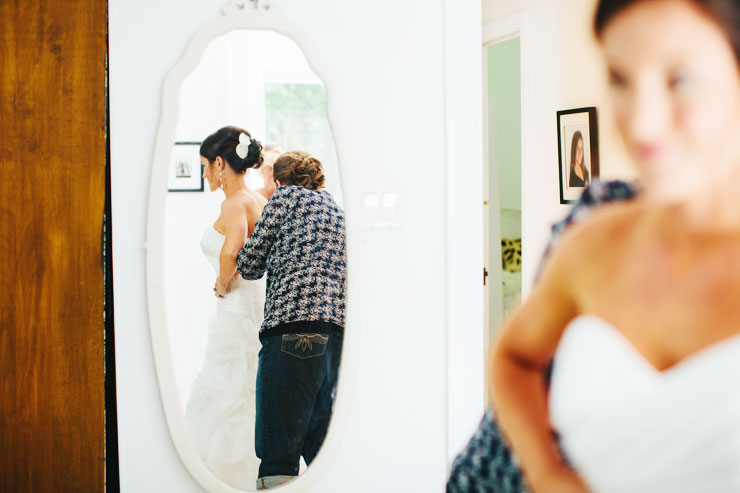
627 427
221 408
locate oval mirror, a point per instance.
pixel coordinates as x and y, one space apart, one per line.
207 348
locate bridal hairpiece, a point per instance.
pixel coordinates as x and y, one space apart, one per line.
243 148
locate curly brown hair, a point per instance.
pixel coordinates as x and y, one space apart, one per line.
299 168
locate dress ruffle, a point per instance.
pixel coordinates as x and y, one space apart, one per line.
221 411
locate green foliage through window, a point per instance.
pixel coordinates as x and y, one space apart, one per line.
296 120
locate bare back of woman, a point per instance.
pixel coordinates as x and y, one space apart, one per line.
247 205
240 212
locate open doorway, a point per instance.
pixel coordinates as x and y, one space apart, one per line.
502 183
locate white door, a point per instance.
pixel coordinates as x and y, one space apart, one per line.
502 177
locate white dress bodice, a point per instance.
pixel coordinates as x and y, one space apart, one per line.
221 408
627 427
245 298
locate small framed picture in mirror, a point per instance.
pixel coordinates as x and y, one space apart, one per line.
185 174
578 152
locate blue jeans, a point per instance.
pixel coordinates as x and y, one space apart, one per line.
296 380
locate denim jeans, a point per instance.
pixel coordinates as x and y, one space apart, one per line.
296 380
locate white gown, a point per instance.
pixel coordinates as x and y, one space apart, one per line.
221 407
627 427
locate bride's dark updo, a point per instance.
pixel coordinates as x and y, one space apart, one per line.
223 143
299 168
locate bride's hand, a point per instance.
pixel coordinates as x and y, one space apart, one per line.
220 289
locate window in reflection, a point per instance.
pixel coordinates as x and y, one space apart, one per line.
295 118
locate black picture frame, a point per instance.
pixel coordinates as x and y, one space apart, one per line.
569 122
183 166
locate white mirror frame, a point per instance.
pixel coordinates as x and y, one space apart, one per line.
239 14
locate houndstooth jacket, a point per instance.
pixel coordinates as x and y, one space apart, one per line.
300 241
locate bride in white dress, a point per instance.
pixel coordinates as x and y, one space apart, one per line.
221 408
638 305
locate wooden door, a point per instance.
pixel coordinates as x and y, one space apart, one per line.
52 198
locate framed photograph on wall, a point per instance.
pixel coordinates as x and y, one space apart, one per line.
186 173
578 151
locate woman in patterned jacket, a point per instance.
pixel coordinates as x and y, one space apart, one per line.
300 242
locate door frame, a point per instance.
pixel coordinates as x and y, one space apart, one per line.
504 29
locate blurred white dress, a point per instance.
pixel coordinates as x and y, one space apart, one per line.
221 408
627 427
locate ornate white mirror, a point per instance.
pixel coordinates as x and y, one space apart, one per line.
247 69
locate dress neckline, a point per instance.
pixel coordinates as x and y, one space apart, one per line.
691 359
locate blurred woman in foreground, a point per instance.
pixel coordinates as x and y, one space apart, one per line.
638 304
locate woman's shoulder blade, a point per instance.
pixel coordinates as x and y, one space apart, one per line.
242 202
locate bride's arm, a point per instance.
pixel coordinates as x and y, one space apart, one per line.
517 364
252 258
236 231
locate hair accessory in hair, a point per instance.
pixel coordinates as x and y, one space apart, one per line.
243 148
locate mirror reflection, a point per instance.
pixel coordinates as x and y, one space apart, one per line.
255 267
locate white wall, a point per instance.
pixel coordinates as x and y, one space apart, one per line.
406 73
566 71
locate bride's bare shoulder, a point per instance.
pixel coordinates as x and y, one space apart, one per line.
613 219
246 201
608 227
